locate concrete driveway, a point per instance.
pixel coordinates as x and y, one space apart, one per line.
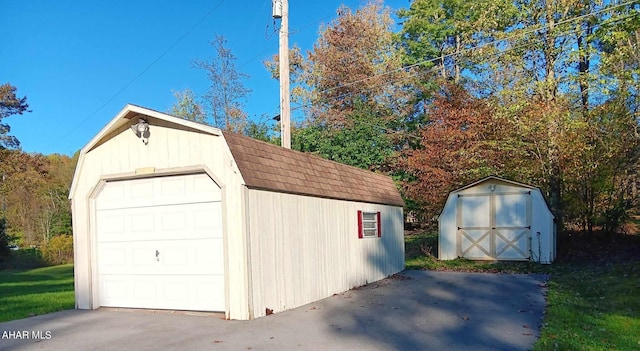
414 310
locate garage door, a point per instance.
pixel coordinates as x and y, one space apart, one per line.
159 244
494 226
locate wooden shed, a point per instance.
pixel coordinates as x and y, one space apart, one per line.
171 214
497 219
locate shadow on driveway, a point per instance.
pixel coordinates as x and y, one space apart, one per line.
413 310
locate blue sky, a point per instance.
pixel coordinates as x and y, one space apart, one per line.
74 59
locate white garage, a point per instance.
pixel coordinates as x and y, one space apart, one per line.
171 214
497 219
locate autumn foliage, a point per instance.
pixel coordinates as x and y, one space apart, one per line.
455 147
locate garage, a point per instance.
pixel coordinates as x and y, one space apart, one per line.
172 214
497 219
160 243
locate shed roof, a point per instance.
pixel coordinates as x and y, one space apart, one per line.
270 167
495 178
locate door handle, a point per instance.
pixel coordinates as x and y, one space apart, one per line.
157 255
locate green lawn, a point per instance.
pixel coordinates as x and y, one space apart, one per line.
25 293
592 304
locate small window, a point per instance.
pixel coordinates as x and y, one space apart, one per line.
369 225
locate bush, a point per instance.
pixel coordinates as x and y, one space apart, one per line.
59 250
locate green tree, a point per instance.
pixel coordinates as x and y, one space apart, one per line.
10 105
440 34
187 107
365 144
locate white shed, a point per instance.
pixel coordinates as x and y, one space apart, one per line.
497 219
172 214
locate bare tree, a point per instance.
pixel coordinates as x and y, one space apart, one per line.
227 92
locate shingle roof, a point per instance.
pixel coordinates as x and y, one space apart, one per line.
270 167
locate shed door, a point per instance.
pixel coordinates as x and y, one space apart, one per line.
494 226
159 244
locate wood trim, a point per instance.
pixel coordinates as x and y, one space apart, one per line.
360 231
379 224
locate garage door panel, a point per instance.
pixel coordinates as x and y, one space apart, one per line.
181 293
161 247
157 223
192 257
158 191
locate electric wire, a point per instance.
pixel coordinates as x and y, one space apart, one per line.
407 69
147 68
433 69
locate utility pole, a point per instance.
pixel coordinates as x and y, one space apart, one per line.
281 10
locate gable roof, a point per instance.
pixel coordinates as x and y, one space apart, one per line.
270 167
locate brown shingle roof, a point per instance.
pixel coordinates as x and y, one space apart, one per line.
266 166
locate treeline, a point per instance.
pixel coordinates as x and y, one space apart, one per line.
34 208
34 201
541 92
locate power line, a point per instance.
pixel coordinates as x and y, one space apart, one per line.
147 68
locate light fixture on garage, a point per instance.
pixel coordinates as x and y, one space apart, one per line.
141 130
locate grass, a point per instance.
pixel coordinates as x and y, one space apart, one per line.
26 293
593 299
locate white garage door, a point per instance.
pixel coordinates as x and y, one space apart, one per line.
494 226
159 243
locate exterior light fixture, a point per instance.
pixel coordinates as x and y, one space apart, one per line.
141 130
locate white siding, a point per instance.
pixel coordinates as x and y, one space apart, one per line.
169 149
542 233
304 249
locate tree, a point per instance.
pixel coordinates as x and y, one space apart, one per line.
227 92
187 107
455 148
10 105
355 61
365 144
440 34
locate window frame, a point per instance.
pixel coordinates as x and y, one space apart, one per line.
376 221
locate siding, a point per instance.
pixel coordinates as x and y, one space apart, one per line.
304 249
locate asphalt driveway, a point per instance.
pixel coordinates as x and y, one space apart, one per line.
414 310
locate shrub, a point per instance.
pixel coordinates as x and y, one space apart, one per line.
59 250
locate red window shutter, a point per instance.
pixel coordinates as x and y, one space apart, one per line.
379 226
360 231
